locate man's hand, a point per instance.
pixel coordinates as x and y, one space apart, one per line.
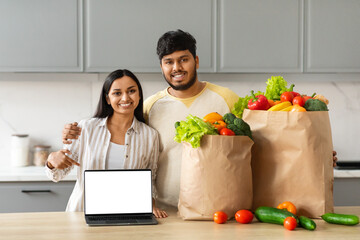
70 131
59 160
334 158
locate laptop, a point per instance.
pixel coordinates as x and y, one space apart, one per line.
118 197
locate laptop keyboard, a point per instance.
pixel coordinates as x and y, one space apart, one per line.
119 218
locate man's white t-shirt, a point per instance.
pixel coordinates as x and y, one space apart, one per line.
162 111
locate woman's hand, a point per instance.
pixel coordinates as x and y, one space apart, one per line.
159 213
59 160
70 131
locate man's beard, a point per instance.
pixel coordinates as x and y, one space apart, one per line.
183 86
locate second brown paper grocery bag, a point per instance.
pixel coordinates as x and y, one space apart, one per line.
292 160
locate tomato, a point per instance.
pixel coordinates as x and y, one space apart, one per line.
290 223
295 94
286 96
227 132
220 217
244 216
306 98
298 100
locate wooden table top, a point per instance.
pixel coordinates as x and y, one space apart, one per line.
71 225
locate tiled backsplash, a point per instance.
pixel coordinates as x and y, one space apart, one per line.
40 104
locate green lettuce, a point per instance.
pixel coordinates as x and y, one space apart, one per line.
275 87
192 130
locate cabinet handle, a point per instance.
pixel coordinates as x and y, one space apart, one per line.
35 191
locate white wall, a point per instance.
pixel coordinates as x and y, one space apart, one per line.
40 104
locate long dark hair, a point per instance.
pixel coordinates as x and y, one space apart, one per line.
104 110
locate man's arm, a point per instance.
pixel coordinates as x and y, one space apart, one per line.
70 131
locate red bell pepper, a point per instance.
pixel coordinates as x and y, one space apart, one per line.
258 102
295 94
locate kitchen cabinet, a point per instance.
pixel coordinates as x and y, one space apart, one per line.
260 36
332 36
34 196
124 33
346 191
41 36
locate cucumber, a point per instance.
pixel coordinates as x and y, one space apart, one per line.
273 215
342 219
307 223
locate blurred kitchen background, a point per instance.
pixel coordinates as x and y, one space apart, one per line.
41 104
55 55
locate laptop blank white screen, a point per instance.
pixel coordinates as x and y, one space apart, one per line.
108 192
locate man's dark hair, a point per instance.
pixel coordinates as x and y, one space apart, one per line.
175 41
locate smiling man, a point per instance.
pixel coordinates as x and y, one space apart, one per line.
186 95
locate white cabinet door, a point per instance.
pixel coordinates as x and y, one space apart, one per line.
260 35
40 35
332 36
124 33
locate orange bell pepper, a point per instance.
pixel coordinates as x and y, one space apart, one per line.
271 102
213 117
289 206
219 125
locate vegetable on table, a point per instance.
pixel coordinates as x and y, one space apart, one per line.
290 223
273 215
342 219
220 217
315 105
307 223
258 102
289 206
244 216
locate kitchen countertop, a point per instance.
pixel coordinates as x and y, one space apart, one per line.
33 173
71 225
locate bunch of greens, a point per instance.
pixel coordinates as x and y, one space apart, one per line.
192 130
275 86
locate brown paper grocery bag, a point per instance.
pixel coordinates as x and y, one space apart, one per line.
292 160
215 177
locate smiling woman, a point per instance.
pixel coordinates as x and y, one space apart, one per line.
116 137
